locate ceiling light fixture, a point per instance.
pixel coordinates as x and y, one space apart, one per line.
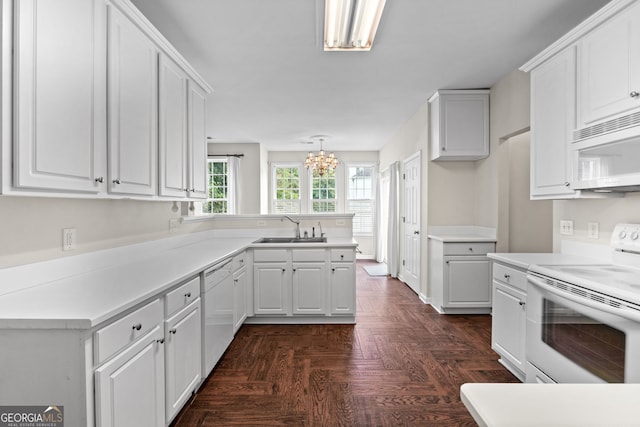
321 162
351 24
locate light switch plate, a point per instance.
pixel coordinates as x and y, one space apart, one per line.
566 227
593 231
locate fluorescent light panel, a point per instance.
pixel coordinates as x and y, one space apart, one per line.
351 24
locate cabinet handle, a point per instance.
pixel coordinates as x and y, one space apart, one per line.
333 269
235 280
173 331
634 94
99 179
160 341
522 303
507 277
137 326
567 184
341 257
294 270
470 249
444 148
117 181
188 295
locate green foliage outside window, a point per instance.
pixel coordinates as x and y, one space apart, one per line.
218 187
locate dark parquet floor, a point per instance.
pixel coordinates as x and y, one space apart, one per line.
402 364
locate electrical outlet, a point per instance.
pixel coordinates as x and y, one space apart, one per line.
68 239
261 223
593 231
566 227
339 221
173 223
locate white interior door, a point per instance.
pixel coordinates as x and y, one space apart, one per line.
411 222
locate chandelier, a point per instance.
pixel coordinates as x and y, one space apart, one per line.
321 162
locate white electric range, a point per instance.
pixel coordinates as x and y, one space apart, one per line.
583 321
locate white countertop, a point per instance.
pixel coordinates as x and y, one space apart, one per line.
552 405
461 233
81 298
524 260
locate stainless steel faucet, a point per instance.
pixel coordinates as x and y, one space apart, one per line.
297 223
321 233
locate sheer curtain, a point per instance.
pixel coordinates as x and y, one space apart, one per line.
382 218
393 223
233 164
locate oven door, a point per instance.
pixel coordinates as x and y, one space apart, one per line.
579 336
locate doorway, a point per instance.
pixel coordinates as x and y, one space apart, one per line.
411 222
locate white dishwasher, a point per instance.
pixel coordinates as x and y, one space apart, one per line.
217 314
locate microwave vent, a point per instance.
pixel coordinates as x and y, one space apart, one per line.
612 125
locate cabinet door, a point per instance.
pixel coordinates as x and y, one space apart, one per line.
133 108
467 282
609 68
183 357
552 121
508 324
130 388
271 285
309 288
343 288
239 298
60 95
197 142
173 129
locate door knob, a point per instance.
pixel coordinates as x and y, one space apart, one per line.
416 232
634 94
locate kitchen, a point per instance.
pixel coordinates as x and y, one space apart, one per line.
33 224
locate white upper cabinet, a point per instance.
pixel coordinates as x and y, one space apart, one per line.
94 112
197 163
459 124
552 121
609 69
173 129
133 108
59 95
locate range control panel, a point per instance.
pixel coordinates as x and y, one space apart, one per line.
626 237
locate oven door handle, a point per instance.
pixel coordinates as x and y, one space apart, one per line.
625 312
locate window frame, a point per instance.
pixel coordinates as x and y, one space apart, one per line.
228 186
274 190
372 200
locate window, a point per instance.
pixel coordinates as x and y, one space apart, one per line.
218 187
287 189
323 192
360 198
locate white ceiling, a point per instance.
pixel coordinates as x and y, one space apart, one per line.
274 84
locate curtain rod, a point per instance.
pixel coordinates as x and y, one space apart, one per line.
225 155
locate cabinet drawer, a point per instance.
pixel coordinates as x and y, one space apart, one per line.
343 255
239 261
270 255
510 276
472 248
309 254
183 295
125 331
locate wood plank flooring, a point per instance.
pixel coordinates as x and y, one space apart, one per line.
402 364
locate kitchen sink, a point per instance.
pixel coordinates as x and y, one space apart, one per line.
291 240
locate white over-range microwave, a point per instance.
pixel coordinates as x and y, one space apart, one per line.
607 163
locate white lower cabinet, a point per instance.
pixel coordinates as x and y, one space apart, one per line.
183 364
460 276
509 317
130 388
271 288
343 291
240 283
309 283
309 288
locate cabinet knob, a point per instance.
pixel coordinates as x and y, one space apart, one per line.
294 270
567 184
444 148
117 181
160 341
507 277
188 295
341 257
470 249
284 269
99 179
235 280
522 303
634 94
137 326
173 331
333 269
